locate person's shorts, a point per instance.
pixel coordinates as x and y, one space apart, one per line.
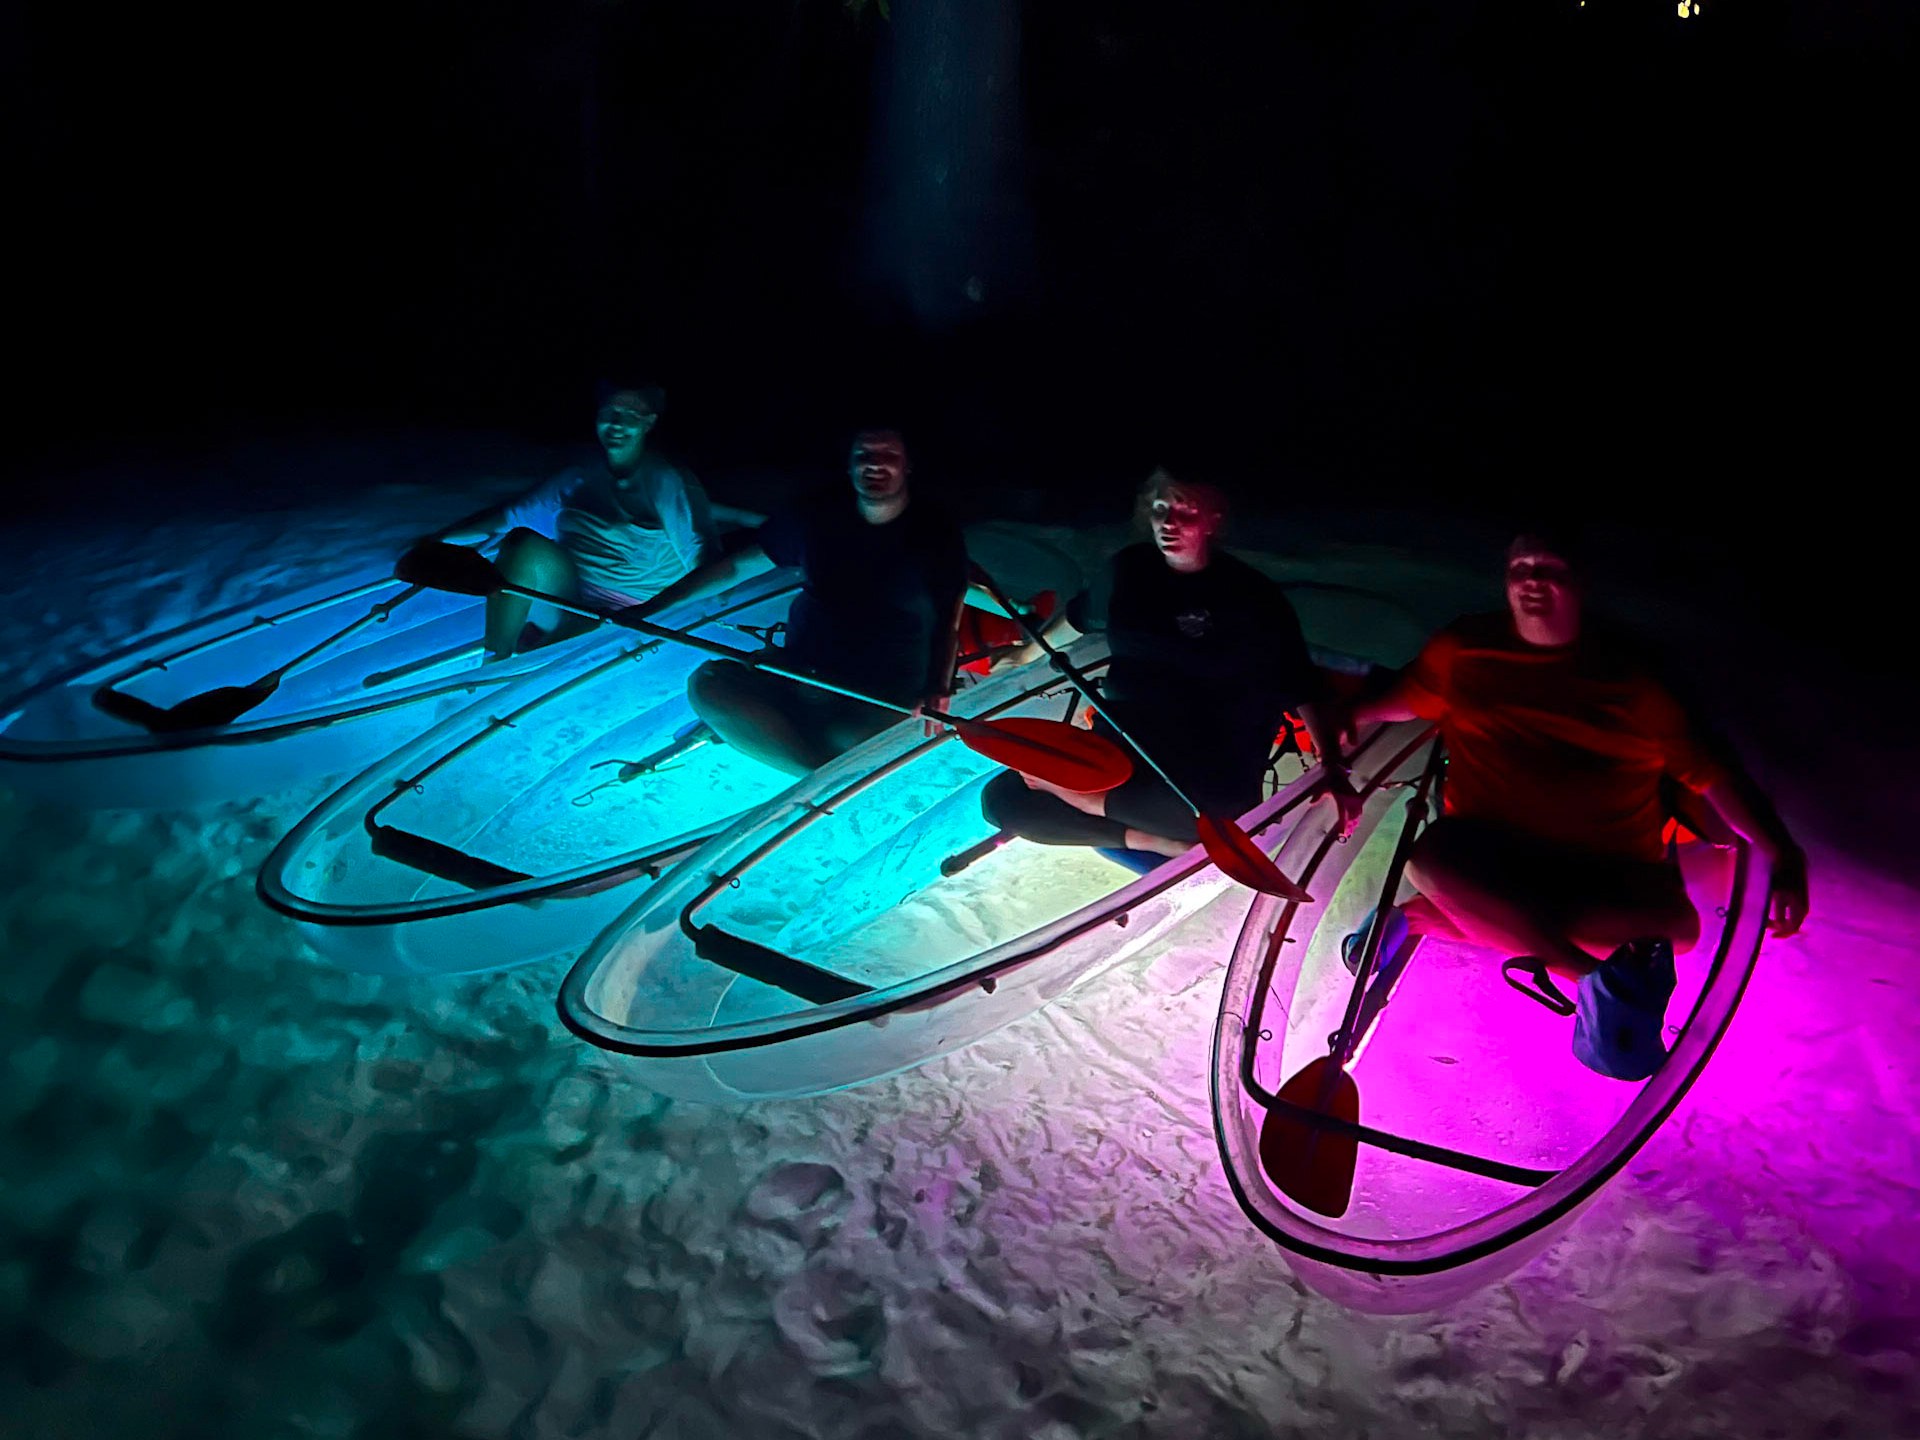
601 598
1568 882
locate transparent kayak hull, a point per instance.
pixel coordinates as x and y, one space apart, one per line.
519 827
720 983
1487 1138
362 697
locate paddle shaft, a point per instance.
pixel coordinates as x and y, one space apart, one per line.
1396 867
723 652
378 612
449 567
1335 1065
1079 682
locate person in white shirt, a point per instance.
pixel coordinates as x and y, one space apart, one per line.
609 534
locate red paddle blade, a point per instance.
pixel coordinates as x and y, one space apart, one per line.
1049 750
1311 1166
1233 850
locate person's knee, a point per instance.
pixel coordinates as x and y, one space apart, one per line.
529 555
852 724
715 688
518 541
1003 803
1430 862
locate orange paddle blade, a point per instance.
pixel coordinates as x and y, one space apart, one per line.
1233 850
1049 750
1311 1166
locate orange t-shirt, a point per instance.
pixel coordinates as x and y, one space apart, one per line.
1568 745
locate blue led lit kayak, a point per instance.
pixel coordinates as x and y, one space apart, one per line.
521 825
133 730
1481 1136
867 920
517 829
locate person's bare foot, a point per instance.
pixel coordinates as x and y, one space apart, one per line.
1156 844
1086 804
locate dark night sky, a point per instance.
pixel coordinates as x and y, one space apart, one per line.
1391 245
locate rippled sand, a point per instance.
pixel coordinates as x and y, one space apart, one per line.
245 1195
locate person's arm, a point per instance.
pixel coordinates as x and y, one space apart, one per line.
1058 631
474 529
777 542
537 510
708 579
1705 764
1396 702
1418 692
942 664
688 520
946 577
1324 716
1741 804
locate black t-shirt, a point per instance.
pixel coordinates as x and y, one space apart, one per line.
875 600
1205 664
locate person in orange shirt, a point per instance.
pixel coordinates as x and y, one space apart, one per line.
1561 742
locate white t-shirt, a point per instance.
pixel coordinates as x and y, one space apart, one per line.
630 539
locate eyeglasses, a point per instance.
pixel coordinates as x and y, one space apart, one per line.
1169 510
1556 572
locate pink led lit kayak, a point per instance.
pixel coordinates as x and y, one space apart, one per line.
1481 1137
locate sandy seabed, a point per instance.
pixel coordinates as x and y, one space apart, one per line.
245 1195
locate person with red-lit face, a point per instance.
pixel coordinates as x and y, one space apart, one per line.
1183 521
1207 659
1542 593
1566 757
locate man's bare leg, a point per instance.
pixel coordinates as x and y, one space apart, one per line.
1097 805
1463 884
532 560
1426 918
740 708
1602 929
1084 803
1462 887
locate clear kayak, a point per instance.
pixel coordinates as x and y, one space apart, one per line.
867 921
521 827
118 732
518 827
1479 1136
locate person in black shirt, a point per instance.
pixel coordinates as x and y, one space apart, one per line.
883 579
1207 657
